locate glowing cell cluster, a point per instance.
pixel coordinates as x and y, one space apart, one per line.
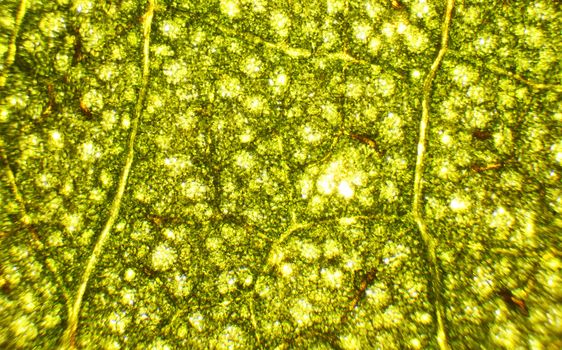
280 23
309 251
335 6
362 31
170 29
175 72
459 203
52 24
301 311
229 87
56 139
163 257
231 8
332 278
252 66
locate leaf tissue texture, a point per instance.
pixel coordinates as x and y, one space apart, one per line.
258 174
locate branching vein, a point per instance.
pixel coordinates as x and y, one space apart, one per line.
429 241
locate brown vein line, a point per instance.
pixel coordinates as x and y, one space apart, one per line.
429 240
68 339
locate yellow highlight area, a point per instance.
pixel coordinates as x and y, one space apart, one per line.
231 8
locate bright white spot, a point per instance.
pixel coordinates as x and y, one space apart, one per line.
301 312
129 275
351 341
425 318
193 189
402 27
482 281
4 114
374 10
281 79
501 218
286 270
56 135
175 72
183 285
444 172
126 123
362 31
44 181
345 189
56 139
445 139
82 6
326 184
169 234
463 75
557 150
458 204
415 343
246 137
170 161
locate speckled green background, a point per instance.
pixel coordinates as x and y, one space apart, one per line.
269 202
